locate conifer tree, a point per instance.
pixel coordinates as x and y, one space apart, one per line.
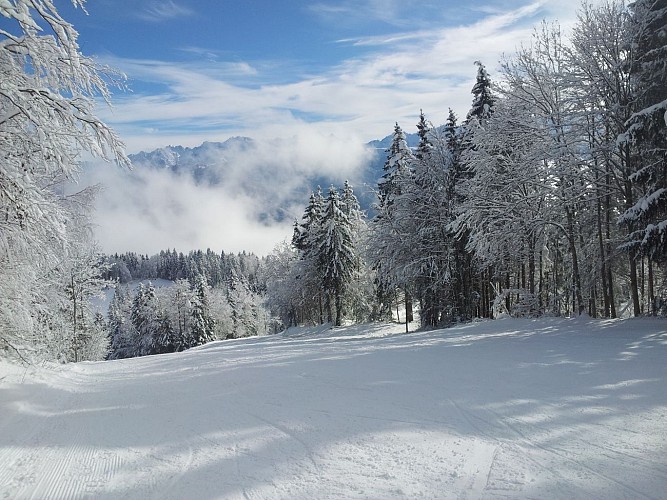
145 319
483 97
386 242
201 323
462 270
422 212
396 168
309 268
165 336
180 309
337 255
121 330
424 147
306 231
647 128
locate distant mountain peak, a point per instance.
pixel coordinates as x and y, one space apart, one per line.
211 163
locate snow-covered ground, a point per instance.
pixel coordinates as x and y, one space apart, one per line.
548 408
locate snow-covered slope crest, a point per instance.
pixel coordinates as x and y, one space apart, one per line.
512 409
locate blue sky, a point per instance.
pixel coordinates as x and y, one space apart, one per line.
209 69
311 81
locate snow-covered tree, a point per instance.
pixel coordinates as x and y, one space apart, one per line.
121 330
47 120
423 130
201 322
83 273
483 97
647 128
385 227
501 213
539 76
336 255
283 298
601 53
146 319
396 169
309 269
422 211
327 245
180 305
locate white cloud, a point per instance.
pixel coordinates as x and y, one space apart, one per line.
260 192
158 11
148 211
422 69
398 13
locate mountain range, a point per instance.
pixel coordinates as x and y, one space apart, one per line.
237 160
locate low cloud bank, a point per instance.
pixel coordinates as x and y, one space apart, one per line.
256 193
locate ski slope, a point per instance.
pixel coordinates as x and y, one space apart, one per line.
548 408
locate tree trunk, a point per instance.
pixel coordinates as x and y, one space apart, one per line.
540 290
556 288
651 292
627 188
321 308
408 311
329 308
531 264
339 309
576 278
74 332
603 260
508 285
634 285
610 277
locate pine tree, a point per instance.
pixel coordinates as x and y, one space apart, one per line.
396 168
337 255
181 305
309 269
457 170
424 147
166 338
647 128
386 242
121 330
483 97
462 269
305 232
421 209
201 323
145 319
351 207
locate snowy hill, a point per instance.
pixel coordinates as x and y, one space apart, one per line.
546 408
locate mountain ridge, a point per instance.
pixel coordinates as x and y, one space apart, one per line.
207 162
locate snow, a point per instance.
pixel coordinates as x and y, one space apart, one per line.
548 408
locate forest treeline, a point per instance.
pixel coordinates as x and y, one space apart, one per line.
209 296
